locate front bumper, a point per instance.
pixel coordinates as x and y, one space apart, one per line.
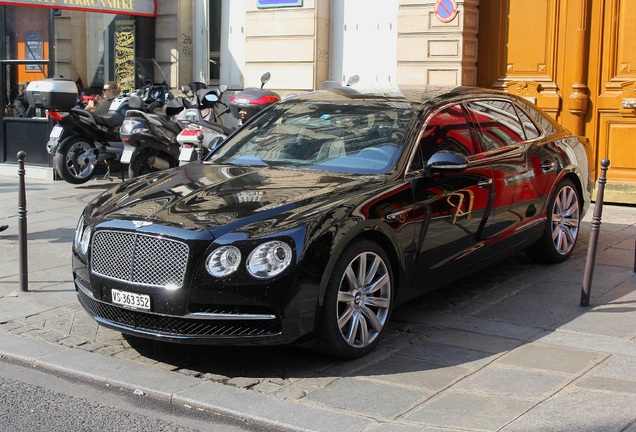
195 328
253 321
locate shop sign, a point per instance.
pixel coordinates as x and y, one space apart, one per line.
277 3
122 7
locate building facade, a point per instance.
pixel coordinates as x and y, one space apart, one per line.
574 58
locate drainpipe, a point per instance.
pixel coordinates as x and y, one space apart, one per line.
578 100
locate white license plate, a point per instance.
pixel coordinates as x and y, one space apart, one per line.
185 154
131 300
56 132
127 153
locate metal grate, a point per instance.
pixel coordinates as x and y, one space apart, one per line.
170 325
139 258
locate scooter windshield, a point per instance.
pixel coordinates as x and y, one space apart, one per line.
149 72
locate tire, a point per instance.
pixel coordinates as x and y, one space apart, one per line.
71 162
140 166
562 226
356 310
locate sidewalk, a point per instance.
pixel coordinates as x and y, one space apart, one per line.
507 349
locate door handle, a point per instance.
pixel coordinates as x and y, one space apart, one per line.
484 183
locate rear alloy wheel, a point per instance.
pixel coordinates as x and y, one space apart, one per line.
562 227
358 301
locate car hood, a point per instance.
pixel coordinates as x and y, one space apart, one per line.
222 198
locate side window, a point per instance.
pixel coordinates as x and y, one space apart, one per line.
529 127
498 123
448 129
543 122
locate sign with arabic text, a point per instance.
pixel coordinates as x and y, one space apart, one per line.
122 7
125 54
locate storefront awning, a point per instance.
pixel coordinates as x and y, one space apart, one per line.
121 7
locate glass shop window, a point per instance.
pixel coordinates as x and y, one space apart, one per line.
26 39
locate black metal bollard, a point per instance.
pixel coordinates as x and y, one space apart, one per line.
22 225
596 226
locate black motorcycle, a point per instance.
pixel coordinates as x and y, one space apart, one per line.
150 139
82 139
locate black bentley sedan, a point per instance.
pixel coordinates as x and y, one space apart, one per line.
321 214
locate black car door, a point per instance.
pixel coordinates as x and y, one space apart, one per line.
453 205
523 169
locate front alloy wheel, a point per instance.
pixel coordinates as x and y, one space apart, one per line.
358 301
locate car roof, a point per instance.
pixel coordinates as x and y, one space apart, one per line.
416 96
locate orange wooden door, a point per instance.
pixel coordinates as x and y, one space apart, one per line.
612 77
577 60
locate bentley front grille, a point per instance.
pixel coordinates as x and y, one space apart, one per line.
139 258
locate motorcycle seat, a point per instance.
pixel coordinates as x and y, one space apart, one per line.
170 125
108 121
217 127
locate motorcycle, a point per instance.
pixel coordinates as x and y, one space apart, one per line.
203 136
202 128
81 139
150 140
247 103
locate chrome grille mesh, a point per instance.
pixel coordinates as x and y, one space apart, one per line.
139 258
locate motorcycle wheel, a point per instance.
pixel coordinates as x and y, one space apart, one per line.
140 165
71 162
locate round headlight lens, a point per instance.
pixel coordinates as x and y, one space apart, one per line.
223 261
269 259
86 240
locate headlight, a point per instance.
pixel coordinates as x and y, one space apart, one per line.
223 261
269 259
78 233
86 240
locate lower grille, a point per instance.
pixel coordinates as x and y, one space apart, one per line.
176 326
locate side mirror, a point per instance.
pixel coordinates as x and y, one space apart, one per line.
445 160
353 80
264 78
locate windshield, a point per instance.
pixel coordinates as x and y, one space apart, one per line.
149 72
352 138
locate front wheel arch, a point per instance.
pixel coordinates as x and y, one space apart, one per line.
374 233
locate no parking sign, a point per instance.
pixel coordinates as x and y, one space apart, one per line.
445 10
